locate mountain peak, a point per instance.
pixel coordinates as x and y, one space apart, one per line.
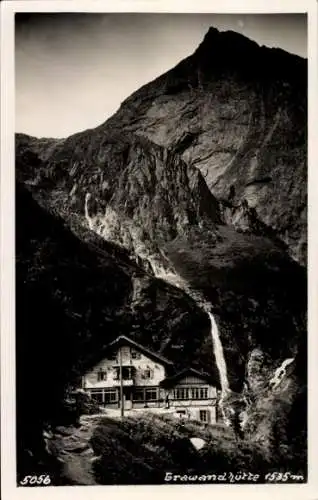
228 51
226 41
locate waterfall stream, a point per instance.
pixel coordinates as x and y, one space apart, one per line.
87 216
219 355
175 280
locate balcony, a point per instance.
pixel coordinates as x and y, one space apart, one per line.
126 382
128 376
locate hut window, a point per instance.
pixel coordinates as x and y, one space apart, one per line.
135 354
181 393
205 416
199 392
147 374
151 394
110 396
101 375
97 397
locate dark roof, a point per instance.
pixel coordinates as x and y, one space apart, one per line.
170 381
123 340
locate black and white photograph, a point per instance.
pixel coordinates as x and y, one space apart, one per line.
160 248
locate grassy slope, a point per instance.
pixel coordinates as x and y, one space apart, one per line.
140 450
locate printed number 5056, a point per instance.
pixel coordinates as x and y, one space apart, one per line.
36 480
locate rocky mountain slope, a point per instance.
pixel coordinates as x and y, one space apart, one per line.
199 178
233 110
238 113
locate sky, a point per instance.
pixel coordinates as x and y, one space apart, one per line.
72 71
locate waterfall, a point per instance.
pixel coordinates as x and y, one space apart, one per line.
87 216
172 278
219 355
